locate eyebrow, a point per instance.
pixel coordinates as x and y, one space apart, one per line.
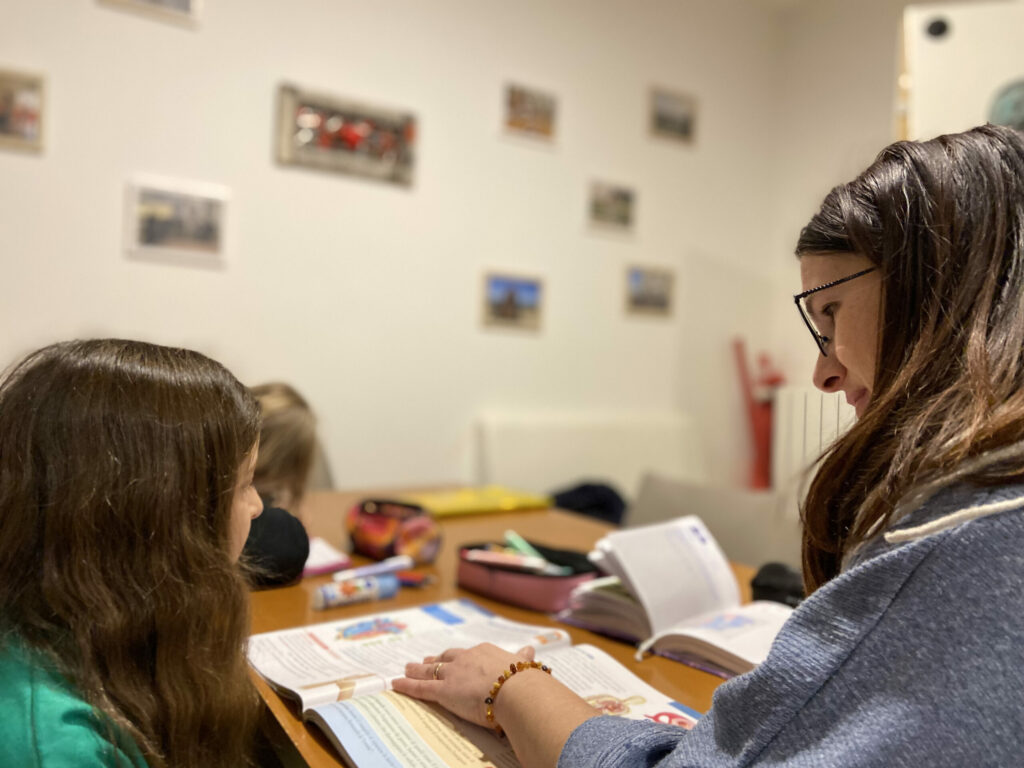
811 309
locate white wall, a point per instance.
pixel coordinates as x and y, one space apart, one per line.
839 73
954 79
838 101
367 296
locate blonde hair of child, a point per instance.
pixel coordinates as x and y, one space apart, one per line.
287 444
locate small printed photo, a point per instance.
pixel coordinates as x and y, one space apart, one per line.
649 291
176 222
21 110
611 206
673 115
512 302
1008 106
334 134
529 112
186 11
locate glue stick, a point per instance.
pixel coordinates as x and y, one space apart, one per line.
355 591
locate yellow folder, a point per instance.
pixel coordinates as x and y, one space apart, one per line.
473 501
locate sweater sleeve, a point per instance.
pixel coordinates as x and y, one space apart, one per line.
603 742
911 658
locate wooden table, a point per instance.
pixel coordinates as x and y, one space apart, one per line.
323 515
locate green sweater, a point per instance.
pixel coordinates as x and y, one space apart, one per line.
44 723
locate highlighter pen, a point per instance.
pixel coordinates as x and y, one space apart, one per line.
392 564
521 545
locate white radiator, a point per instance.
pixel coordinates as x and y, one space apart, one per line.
805 422
543 452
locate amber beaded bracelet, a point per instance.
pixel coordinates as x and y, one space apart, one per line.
518 666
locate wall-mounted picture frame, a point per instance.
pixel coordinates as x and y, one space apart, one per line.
22 110
512 301
330 133
649 291
611 206
530 112
185 12
176 222
1008 106
673 115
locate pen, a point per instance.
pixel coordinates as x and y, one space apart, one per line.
519 544
392 564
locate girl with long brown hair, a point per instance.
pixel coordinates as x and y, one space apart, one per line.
909 648
125 499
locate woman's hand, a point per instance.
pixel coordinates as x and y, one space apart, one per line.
536 711
460 678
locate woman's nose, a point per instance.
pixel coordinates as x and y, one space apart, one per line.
829 373
257 505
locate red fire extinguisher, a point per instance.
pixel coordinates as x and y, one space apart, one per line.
758 393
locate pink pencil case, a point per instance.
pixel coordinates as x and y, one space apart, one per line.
536 591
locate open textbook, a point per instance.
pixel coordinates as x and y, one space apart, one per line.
340 673
671 590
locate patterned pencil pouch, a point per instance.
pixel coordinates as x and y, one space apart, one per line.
380 528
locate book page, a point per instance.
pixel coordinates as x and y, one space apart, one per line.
611 688
676 569
606 606
324 558
400 732
735 640
356 656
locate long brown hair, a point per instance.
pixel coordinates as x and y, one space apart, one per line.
944 222
118 464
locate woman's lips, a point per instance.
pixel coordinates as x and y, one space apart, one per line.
858 400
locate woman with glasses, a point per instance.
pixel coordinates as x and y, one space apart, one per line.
909 649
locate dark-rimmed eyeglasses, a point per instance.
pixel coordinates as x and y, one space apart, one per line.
821 335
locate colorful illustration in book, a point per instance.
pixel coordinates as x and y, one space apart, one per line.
672 718
364 630
728 621
607 704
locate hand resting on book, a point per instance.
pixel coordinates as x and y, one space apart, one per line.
536 711
462 679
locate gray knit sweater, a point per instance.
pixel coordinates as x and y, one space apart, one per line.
913 656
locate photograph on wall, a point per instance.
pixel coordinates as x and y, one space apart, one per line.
529 112
182 11
673 115
649 290
1008 106
21 110
176 222
334 134
512 302
611 206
